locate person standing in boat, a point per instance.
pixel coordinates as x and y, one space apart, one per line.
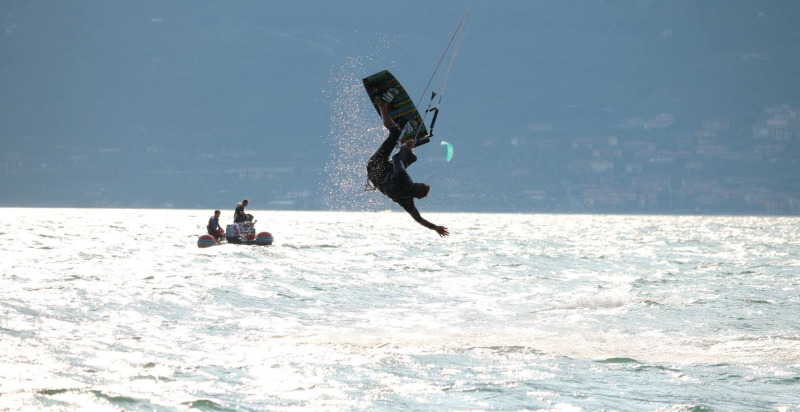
214 229
239 214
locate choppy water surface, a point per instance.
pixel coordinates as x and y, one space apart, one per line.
370 311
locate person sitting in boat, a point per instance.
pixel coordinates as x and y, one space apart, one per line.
239 214
214 229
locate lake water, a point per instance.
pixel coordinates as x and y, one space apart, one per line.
119 309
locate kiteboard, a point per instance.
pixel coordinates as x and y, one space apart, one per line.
403 110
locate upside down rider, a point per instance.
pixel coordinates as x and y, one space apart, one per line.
390 176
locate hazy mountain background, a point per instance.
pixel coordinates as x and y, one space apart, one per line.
201 103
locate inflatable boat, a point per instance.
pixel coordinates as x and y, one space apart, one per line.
241 233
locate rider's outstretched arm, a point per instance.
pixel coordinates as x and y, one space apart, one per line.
412 210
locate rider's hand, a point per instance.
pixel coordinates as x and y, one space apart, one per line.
409 142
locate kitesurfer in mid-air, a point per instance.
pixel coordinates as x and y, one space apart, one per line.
390 176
